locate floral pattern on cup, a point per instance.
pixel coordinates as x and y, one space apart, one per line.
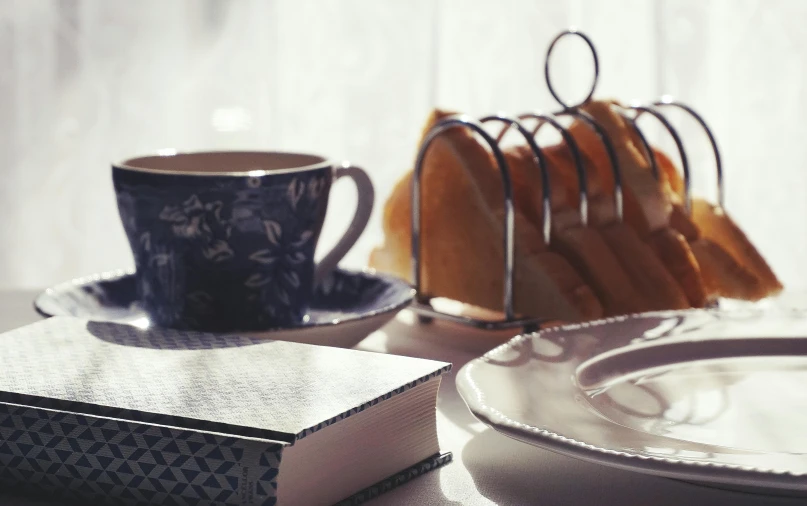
194 220
284 255
236 252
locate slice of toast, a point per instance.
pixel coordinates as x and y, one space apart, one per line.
529 240
584 247
589 253
644 267
659 290
646 270
723 275
675 253
670 178
462 239
648 209
740 271
528 185
716 225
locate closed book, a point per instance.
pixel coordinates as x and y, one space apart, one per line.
112 413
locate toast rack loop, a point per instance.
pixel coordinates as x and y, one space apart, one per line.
561 35
577 158
646 147
610 151
540 162
667 100
641 109
422 305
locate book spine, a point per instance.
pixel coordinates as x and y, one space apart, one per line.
105 461
397 479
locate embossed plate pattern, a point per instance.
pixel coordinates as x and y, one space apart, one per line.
712 396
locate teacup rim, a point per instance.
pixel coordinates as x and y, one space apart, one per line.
125 163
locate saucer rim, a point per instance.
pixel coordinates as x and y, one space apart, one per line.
407 293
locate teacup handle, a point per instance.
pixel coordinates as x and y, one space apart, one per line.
364 208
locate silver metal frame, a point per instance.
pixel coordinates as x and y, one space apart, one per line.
422 304
548 79
667 100
540 162
651 110
616 171
577 157
576 112
646 147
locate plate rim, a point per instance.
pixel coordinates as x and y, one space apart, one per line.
668 467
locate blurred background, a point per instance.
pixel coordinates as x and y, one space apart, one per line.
86 82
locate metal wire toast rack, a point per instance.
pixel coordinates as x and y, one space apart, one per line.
423 304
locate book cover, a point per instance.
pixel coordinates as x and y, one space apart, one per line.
102 410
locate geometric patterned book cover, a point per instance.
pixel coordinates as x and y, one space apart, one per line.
111 414
103 461
87 460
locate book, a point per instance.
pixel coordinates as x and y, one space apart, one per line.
111 413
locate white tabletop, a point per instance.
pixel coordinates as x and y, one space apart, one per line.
488 468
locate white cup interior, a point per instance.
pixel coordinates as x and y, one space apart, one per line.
224 162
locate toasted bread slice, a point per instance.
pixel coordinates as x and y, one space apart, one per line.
394 256
585 247
529 241
674 252
589 253
672 186
744 273
723 275
682 222
528 185
716 225
647 200
643 270
669 175
582 247
462 240
723 271
646 208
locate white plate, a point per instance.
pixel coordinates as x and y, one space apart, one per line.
346 306
715 397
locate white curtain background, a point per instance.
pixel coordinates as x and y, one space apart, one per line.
85 82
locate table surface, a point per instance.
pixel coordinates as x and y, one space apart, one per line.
488 468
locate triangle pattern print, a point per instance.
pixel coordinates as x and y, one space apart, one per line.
103 461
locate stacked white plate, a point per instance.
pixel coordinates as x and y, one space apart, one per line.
712 396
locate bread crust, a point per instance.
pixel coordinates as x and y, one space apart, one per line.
660 257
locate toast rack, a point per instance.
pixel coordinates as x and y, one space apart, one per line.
423 304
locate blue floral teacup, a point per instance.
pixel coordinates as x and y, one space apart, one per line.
225 241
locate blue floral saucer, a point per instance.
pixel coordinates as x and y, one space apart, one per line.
346 307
